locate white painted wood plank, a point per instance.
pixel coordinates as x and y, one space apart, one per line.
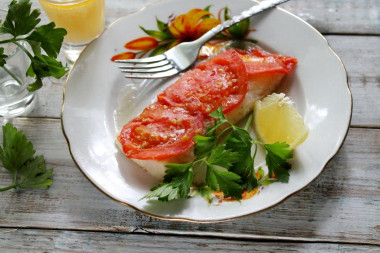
342 205
341 16
361 57
31 240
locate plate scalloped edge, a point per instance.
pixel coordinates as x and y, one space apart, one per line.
210 220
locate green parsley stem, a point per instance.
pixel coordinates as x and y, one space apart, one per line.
8 187
202 161
24 49
11 74
224 130
258 142
12 40
249 121
254 154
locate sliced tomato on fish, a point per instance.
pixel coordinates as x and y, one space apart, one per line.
159 132
257 61
220 81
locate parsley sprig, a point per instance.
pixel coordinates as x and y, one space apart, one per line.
227 156
17 156
21 24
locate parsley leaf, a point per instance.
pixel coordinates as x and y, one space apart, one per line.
280 149
219 115
204 145
20 23
43 66
276 155
48 37
204 192
176 170
2 57
221 119
16 150
16 155
240 141
223 157
164 192
178 188
34 174
225 181
20 19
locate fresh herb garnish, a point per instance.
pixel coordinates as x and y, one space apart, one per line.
21 23
17 156
229 163
204 192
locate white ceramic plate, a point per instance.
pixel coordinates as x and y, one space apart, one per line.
98 101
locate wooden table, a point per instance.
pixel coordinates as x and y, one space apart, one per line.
340 211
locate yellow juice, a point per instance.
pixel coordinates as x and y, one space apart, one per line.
83 19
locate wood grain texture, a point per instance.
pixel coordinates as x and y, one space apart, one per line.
361 57
339 16
338 212
342 205
31 240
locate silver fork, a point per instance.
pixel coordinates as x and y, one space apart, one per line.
185 54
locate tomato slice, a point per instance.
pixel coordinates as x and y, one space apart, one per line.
256 61
220 81
159 132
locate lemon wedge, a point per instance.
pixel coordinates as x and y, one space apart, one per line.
276 119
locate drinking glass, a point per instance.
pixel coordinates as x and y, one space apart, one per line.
15 99
83 20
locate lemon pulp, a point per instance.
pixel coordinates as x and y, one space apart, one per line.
277 120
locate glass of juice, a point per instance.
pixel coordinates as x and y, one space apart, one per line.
83 20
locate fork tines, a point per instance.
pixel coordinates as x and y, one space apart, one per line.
153 67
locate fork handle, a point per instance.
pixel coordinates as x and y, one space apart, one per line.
236 19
